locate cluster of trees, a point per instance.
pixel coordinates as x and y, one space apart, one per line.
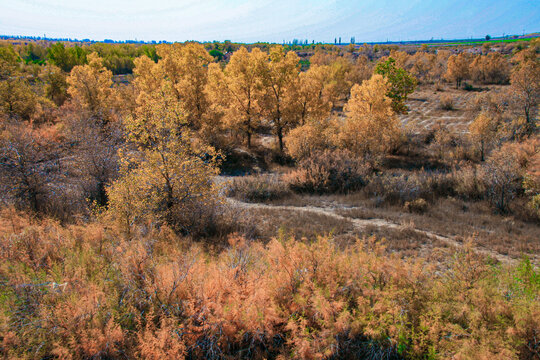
117 57
252 88
370 127
444 65
200 106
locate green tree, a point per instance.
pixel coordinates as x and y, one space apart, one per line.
8 62
66 58
401 84
218 55
17 99
55 84
34 53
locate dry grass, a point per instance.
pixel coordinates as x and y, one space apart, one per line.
426 109
297 224
461 220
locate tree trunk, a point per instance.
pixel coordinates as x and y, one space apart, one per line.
482 150
502 198
280 138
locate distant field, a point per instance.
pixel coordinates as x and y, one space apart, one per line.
455 43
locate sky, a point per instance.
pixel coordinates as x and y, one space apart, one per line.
268 20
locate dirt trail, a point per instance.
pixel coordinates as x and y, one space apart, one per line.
361 224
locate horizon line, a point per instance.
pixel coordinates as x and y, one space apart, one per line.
301 41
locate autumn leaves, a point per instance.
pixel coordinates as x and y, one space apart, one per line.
186 106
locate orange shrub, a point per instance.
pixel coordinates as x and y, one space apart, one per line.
157 296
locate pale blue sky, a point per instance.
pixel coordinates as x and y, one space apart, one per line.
266 20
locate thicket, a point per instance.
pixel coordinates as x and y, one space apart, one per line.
90 292
338 171
258 188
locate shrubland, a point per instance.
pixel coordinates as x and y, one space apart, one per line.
89 291
362 180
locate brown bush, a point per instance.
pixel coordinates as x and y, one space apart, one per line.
400 188
417 206
336 171
258 188
469 183
502 175
446 102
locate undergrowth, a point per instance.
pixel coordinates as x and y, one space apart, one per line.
89 292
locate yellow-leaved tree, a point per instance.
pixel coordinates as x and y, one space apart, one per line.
237 89
186 66
179 77
525 85
163 175
149 79
91 88
371 128
279 78
457 69
421 65
483 130
310 102
339 84
493 68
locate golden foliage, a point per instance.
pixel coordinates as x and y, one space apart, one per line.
279 78
310 96
90 87
180 75
483 130
236 91
313 136
525 84
371 126
165 176
457 69
490 69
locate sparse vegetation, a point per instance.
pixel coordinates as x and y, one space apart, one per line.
447 102
258 188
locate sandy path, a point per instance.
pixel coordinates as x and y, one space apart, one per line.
362 224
